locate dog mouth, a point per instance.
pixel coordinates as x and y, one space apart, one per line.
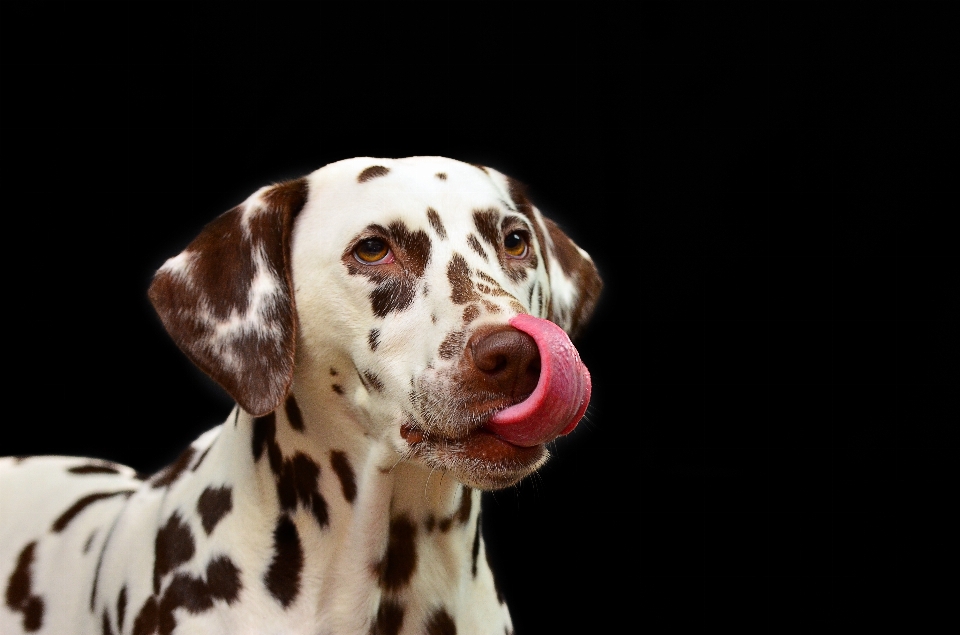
479 457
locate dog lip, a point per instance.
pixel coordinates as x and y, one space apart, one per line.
479 442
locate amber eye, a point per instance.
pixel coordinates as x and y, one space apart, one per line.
371 250
515 245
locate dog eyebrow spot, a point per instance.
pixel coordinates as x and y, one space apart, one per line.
487 223
372 172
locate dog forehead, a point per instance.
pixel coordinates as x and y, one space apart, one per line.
349 195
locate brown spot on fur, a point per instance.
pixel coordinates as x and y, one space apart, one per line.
452 344
477 247
461 285
471 313
60 523
121 607
146 621
396 284
204 454
93 469
106 629
441 175
292 410
333 372
223 578
400 561
168 475
490 306
173 546
475 552
282 578
466 502
444 524
192 300
337 388
440 623
373 381
516 306
341 466
19 595
435 222
430 523
372 172
480 167
389 618
487 222
265 437
213 505
298 483
374 339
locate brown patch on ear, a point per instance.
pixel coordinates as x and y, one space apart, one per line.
584 275
372 172
208 288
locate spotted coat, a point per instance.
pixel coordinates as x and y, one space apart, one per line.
364 319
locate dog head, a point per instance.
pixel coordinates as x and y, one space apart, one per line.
426 298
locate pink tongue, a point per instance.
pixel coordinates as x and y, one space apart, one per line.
561 396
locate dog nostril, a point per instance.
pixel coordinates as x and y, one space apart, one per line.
510 361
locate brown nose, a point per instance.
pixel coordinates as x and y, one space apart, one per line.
508 361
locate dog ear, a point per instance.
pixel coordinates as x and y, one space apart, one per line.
575 283
227 299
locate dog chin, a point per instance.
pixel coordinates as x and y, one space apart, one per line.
478 459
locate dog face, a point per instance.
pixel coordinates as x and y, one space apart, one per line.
419 296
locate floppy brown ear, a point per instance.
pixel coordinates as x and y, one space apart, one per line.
575 283
227 299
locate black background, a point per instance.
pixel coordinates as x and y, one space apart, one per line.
764 186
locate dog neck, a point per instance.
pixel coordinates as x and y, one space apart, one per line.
361 541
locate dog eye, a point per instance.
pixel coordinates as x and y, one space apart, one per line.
515 245
373 251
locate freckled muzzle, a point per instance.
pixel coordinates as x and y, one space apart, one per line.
562 393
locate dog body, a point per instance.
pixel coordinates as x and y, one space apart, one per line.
388 329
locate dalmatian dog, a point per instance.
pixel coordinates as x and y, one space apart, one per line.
396 336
